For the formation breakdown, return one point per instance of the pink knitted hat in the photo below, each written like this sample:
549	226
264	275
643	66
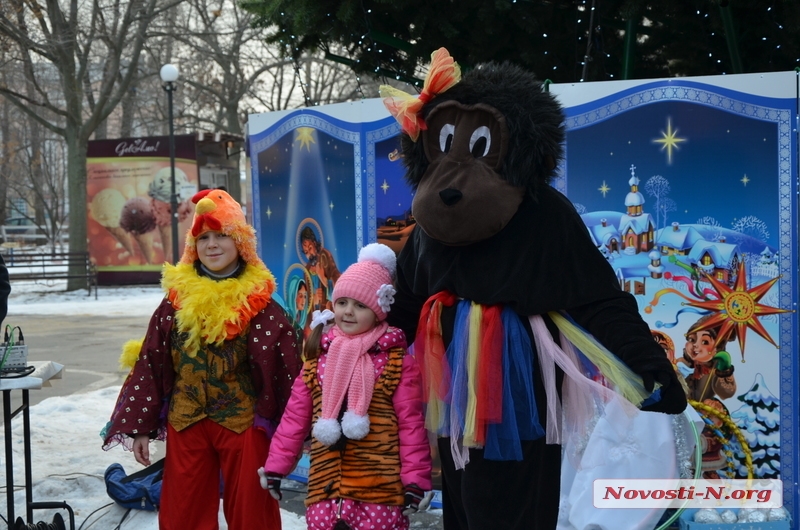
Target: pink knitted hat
370	279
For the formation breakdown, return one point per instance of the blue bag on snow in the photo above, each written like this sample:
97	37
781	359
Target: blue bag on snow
141	490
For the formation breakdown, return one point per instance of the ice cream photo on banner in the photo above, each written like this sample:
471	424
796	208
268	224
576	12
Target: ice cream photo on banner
106	208
160	190
138	220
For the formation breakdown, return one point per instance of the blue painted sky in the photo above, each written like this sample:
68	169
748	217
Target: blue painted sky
707	170
301	179
394	199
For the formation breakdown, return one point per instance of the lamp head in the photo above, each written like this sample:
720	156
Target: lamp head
169	73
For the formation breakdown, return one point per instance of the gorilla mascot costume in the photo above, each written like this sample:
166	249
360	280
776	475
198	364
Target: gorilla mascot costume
498	266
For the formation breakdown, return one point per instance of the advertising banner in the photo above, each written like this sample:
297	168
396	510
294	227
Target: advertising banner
128	194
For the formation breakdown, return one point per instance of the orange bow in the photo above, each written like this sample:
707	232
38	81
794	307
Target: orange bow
443	73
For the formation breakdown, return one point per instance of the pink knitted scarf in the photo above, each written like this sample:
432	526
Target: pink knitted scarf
349	371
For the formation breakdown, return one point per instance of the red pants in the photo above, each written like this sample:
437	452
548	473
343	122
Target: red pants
190	490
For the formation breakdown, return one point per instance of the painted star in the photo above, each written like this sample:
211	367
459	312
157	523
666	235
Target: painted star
737	309
744	180
669	140
604	189
305	135
269	213
331	205
385	186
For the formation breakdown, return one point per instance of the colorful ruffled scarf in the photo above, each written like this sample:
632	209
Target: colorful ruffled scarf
479	391
212	311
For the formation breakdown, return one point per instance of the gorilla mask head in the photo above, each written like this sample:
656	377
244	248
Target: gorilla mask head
488	141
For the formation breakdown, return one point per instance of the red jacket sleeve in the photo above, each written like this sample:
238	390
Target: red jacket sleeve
274	351
141	405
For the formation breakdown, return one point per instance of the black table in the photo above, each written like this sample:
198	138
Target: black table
45	371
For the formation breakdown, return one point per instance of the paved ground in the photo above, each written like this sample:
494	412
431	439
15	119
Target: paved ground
89	349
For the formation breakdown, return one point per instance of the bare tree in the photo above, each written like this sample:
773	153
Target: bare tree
80	48
37	175
752	226
5	148
221	56
666	205
658	187
715	227
749	227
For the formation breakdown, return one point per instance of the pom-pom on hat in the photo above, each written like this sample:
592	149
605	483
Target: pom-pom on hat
370	279
217	210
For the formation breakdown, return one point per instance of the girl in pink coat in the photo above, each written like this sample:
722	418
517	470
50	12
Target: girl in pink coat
360	396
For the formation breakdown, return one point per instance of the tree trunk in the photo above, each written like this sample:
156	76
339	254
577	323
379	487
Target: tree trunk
37	174
128	110
5	156
76	169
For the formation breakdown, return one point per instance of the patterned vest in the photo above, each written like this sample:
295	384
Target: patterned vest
215	384
366	470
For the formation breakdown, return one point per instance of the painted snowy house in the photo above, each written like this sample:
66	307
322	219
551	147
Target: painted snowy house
677	239
636	227
718	260
606	235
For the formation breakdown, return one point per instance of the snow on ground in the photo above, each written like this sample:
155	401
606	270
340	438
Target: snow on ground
50	298
68	464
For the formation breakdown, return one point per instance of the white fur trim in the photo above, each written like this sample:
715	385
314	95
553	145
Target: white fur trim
327	431
354	426
380	254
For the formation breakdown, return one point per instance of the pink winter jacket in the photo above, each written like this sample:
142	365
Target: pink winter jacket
414	450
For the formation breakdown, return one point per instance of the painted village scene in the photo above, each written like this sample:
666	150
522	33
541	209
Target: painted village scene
708	294
684	190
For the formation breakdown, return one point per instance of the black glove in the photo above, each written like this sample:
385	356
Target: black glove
413	498
271	483
673	398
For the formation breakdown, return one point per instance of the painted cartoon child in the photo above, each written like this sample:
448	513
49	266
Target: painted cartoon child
666	343
709	377
663	340
706	365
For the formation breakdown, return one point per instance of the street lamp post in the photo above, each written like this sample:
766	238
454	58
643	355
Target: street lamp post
169	74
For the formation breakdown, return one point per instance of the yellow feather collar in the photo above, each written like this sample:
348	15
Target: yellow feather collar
211	311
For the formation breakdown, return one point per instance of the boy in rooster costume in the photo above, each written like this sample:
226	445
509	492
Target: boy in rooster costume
212	375
499	269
